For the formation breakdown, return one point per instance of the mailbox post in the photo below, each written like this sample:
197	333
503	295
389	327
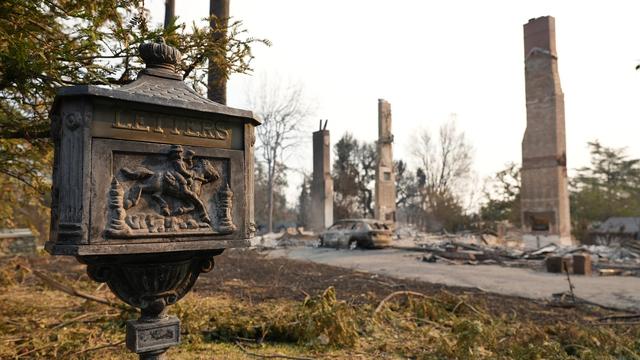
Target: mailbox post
150	182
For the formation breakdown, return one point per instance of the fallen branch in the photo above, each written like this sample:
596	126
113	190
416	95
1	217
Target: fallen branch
462	302
33	350
70	321
75	292
306	294
630	323
270	356
565	267
391	285
398	293
619	317
117	343
581	301
450	262
430	322
21	339
457	306
474	309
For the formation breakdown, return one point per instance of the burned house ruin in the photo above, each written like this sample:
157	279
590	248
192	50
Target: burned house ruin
385	191
544	194
322	182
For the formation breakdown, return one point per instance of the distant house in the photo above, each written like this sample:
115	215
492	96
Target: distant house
616	231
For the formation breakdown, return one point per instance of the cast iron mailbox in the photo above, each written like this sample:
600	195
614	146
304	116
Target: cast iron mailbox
150	182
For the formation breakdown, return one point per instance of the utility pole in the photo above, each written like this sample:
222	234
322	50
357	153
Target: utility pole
169	12
217	80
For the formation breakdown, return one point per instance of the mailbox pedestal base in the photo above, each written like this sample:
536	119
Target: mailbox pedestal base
151	282
151	337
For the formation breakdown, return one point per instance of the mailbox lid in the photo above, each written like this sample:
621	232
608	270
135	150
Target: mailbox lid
158	91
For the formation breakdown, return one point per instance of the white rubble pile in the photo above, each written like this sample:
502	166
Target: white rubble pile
286	238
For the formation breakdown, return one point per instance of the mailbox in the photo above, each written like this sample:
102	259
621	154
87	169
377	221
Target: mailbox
150	182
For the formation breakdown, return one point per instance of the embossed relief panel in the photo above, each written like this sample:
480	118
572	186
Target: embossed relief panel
146	192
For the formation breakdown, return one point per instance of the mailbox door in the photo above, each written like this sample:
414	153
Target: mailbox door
150	193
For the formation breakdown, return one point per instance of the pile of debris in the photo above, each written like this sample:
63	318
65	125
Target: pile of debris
456	250
611	260
287	238
474	249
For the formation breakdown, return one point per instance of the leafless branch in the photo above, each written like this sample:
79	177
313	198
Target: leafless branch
270	356
72	291
283	108
22	180
446	162
399	293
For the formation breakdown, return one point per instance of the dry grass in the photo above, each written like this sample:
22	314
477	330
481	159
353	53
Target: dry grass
38	322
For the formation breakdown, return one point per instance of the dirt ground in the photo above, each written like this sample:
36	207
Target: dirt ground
247	288
254	277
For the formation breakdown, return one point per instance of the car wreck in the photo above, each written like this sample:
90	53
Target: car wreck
360	233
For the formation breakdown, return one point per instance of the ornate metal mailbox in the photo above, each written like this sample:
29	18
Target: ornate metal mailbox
150	182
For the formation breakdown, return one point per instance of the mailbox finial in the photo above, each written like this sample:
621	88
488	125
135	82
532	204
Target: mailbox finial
158	55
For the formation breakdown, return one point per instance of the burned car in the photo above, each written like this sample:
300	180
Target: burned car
362	233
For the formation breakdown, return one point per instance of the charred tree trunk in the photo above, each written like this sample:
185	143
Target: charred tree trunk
270	181
169	12
217	77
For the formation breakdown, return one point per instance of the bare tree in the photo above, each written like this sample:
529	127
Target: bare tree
446	161
283	108
443	176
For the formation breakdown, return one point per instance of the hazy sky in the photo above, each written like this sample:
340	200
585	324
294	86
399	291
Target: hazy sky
433	58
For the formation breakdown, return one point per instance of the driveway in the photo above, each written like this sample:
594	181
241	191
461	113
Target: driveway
616	291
